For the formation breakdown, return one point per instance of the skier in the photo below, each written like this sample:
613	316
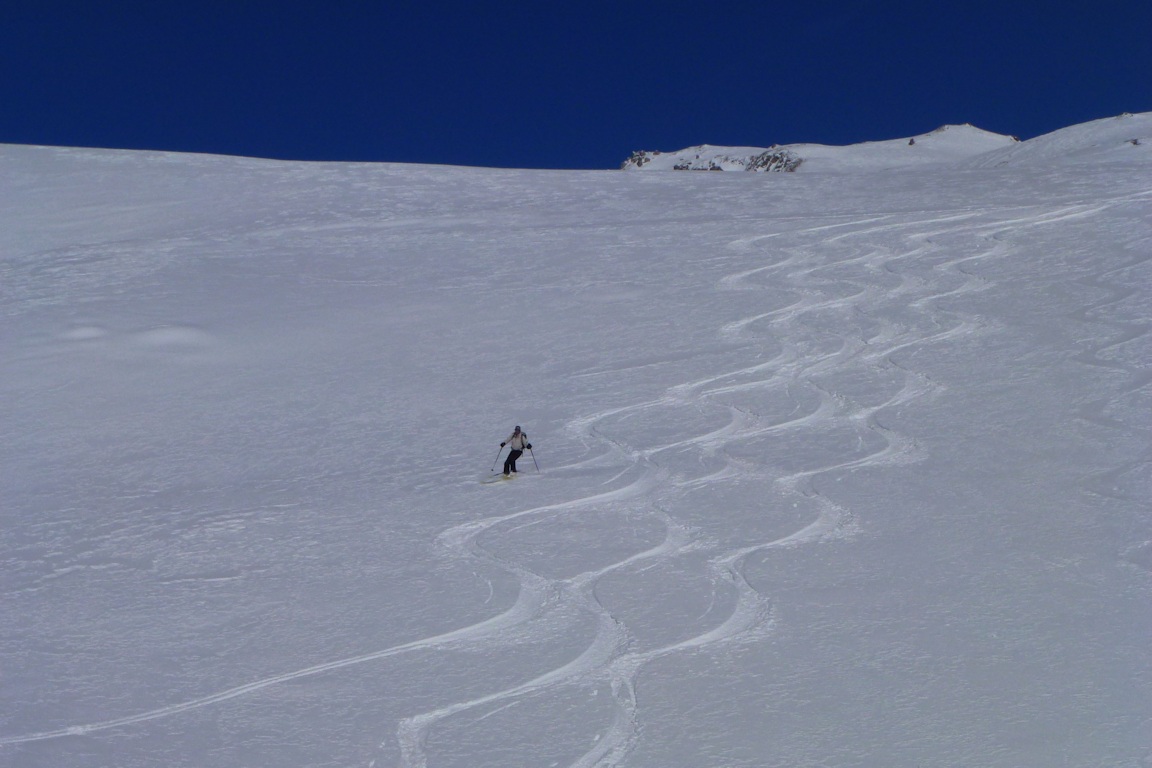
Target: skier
517	443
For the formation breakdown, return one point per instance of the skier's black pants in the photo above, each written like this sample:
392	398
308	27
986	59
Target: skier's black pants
510	462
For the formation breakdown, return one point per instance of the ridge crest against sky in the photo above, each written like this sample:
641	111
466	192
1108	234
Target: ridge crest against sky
550	85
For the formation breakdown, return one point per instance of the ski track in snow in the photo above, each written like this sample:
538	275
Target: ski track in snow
609	657
879	261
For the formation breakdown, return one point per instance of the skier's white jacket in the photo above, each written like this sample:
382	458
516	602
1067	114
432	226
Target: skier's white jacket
517	441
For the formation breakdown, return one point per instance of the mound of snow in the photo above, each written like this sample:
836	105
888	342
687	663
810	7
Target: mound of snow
1125	138
948	144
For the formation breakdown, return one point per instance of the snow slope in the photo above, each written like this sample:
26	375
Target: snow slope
1125	139
947	144
836	469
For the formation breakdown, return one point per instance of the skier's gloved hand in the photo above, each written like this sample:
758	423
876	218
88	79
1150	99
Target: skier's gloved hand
529	446
501	445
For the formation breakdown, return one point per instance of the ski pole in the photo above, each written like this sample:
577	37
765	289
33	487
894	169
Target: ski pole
499	451
534	460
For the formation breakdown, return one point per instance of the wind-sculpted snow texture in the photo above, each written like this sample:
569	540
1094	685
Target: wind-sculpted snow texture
839	470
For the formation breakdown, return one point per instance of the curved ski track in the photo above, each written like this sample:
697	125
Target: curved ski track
866	295
850	274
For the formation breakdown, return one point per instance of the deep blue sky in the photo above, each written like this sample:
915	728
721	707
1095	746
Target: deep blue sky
555	83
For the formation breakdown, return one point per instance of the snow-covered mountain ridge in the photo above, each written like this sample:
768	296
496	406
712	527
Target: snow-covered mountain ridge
949	144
